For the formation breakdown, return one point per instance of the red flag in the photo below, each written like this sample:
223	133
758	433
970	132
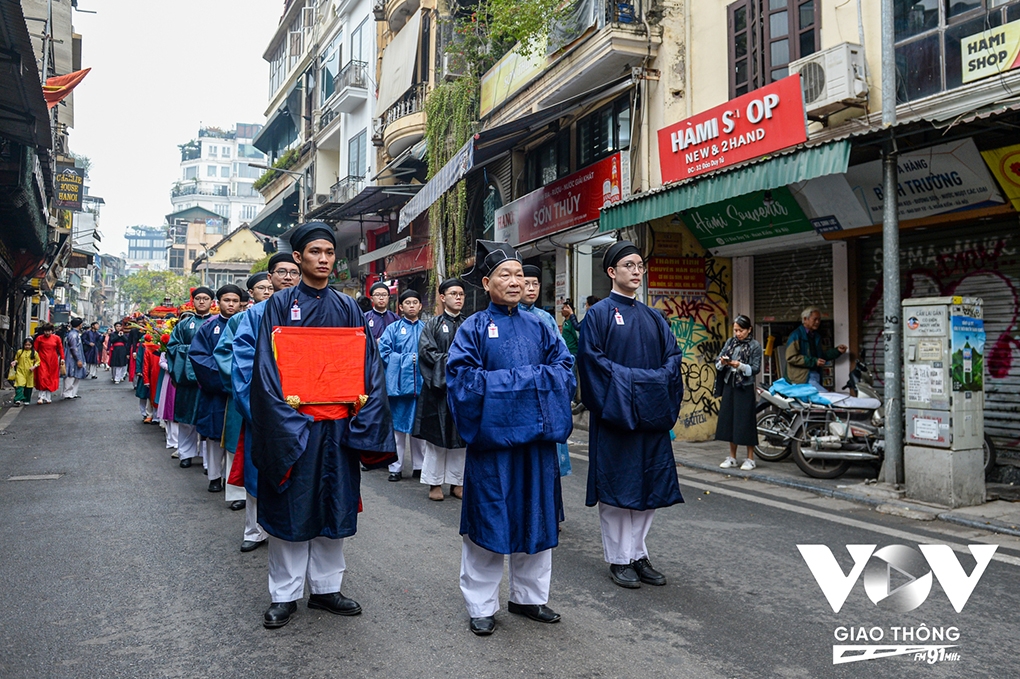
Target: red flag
59	86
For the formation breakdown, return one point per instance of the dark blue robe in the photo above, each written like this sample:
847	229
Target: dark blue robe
510	399
309	474
632	387
91	341
181	373
224	356
376	322
242	366
212	399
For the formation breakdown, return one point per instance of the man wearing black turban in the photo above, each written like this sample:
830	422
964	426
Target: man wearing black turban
183	376
629	365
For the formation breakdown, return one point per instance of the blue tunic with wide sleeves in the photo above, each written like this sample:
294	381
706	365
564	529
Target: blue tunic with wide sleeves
398	348
212	399
243	364
562	451
631	384
181	373
378	322
509	384
309	473
91	340
223	354
73	352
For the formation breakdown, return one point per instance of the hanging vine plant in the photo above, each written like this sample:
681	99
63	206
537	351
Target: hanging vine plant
450	112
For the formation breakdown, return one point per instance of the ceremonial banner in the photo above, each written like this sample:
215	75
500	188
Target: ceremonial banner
322	370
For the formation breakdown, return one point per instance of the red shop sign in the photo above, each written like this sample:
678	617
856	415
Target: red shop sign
675	274
574	200
748	127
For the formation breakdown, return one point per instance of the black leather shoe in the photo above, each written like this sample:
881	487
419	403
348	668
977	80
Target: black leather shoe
185	463
624	575
216	486
538	612
482	626
279	614
396	476
237	505
251	545
647	574
335	603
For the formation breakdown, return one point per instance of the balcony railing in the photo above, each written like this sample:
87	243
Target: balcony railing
354	74
413	101
346	189
192	189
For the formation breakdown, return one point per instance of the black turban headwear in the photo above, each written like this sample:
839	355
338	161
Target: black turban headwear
202	289
255	279
306	233
450	283
230	288
408	294
280	257
488	255
378	285
532	271
618	251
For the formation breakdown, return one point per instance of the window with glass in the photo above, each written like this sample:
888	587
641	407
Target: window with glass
359	43
210	170
929	57
547	162
224	171
603	132
765	36
225	152
176	258
357	155
329	66
191	172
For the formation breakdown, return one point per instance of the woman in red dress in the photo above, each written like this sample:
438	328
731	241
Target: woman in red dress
50	350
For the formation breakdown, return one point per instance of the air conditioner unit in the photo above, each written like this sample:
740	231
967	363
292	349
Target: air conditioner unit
832	80
453	67
377	131
321	198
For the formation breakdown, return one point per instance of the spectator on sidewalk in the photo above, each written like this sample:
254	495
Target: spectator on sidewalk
24	364
739	361
805	356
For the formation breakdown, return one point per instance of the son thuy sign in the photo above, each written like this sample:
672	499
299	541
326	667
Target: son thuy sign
753	125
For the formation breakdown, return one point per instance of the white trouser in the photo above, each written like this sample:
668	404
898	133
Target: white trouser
252	530
417	451
204	452
232	492
145	407
481	572
443	465
187	441
320	560
624	532
71	386
44	396
93	369
171	433
120	373
215	457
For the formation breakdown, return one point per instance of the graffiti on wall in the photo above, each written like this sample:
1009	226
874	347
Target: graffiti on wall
699	320
975	266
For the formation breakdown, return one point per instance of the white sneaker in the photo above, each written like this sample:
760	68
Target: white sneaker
748	465
729	463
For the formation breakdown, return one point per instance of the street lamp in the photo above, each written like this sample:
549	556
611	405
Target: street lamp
301	186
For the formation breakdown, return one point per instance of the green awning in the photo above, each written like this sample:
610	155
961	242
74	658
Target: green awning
787	169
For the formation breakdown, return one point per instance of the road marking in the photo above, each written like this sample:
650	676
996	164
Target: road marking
34	477
8	417
891	532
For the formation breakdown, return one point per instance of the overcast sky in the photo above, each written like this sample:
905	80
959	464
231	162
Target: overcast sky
159	71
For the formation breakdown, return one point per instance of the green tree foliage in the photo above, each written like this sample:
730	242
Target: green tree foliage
148	288
262	264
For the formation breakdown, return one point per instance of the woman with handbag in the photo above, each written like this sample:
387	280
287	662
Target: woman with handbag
738	363
22	373
50	349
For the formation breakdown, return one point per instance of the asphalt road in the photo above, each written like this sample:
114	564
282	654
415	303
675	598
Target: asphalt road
125	566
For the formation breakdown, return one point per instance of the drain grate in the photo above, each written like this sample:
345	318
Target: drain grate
34	477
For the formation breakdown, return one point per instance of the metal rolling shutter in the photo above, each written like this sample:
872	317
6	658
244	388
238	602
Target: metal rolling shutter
786	283
977	260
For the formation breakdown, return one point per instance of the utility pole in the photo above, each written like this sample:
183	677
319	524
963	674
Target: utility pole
892	470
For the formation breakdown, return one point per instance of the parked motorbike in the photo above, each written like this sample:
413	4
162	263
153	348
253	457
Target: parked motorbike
826	439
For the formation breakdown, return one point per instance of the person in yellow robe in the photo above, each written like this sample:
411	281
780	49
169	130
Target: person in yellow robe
24	364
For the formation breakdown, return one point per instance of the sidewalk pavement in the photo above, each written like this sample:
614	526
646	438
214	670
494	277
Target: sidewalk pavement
857	485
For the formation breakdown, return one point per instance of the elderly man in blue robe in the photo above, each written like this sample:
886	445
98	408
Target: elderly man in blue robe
283	273
212	398
309	473
629	364
398	348
182	374
509	384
